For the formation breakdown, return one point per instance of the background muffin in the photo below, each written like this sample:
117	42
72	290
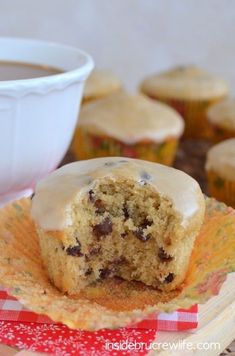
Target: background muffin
220	168
128	125
117	217
190	91
221	116
99	84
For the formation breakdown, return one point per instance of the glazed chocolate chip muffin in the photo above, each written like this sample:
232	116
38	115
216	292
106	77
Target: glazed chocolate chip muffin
189	90
128	125
100	84
121	217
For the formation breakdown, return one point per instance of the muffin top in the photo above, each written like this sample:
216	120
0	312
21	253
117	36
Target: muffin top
55	194
221	159
100	83
222	114
186	82
131	118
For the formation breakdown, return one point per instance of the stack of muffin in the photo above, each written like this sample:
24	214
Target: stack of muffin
184	105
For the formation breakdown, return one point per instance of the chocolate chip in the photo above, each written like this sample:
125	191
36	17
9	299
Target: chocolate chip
104	228
87	259
139	233
91	196
109	164
119	261
88	272
125	213
124	234
74	251
164	256
145	176
94	250
98	203
169	278
145	223
104	273
168	241
100	206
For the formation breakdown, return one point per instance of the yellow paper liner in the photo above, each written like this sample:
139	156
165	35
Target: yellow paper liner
221	188
220	134
86	146
194	114
112	303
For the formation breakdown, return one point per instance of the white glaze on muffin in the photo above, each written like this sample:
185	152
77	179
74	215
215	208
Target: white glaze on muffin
131	118
186	83
221	159
222	114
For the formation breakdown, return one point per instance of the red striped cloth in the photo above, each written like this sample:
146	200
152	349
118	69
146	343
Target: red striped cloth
26	330
12	310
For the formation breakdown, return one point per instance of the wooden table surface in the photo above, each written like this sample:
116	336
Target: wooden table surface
216	323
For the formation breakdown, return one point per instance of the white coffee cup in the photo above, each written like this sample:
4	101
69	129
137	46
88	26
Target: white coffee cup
37	116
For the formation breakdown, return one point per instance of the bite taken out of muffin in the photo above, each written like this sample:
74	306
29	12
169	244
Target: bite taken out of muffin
117	217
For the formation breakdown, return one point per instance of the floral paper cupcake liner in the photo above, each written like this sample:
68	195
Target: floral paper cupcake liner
221	188
194	114
22	272
86	146
220	134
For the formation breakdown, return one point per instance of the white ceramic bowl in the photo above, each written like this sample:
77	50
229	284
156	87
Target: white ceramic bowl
37	116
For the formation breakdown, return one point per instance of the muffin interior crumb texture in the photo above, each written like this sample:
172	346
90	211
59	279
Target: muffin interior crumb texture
119	228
